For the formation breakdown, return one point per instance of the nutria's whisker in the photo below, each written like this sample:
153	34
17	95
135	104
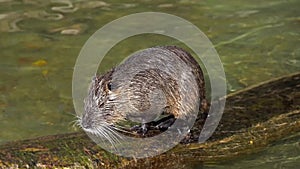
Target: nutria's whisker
102	133
119	128
114	135
76	123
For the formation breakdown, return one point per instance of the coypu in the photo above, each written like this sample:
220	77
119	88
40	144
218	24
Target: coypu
153	87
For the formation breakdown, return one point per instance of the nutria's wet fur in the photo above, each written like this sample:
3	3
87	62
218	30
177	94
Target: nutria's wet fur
124	92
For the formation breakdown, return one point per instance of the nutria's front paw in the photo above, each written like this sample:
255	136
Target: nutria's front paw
140	129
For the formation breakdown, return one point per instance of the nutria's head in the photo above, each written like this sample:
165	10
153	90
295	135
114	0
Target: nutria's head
100	114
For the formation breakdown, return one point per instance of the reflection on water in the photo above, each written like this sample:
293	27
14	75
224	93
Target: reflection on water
40	40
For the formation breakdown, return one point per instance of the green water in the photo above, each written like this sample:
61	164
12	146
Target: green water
40	41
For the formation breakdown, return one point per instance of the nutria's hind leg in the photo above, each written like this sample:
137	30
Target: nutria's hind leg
164	123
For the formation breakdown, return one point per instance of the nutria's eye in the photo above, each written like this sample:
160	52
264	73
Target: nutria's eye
109	86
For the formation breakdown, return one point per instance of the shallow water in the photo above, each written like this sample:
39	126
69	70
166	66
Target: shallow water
40	41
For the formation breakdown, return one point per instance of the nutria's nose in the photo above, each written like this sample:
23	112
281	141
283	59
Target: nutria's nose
85	125
86	122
